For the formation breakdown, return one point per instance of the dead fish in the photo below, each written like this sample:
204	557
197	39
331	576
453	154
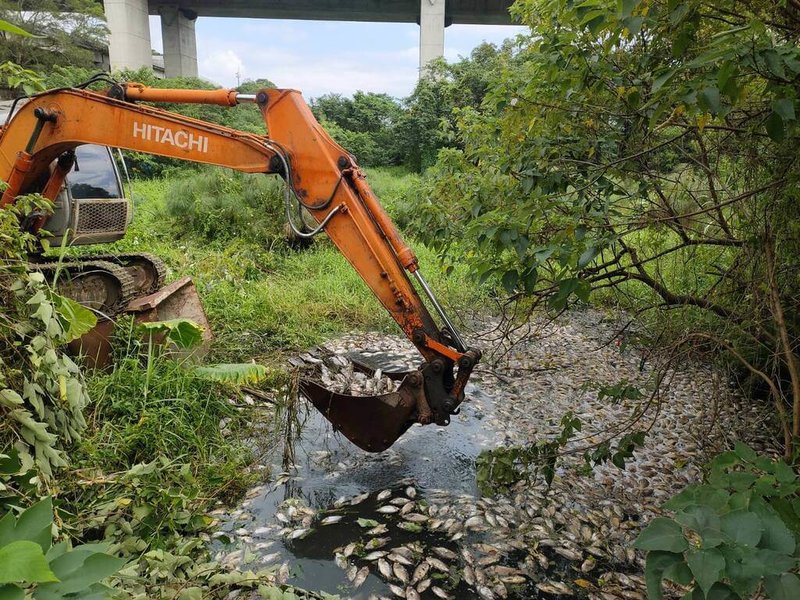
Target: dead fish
359	499
400	572
500	590
399	501
340	561
387	510
385	568
415	517
445	553
420	572
349	549
375	543
411	492
262	530
268	558
352	572
469	575
384	495
407	508
379	530
488	560
441	593
331	520
399	558
423	585
473	522
361	577
405	551
411	594
283	573
588	564
438	564
282	517
485	593
554	587
397	590
569	554
513	579
375	555
299	533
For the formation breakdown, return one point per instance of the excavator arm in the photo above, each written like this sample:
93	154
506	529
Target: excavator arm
321	177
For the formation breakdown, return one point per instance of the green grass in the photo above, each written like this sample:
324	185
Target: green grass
265	299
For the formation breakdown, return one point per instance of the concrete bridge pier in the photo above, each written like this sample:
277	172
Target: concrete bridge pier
180	42
431	31
129	37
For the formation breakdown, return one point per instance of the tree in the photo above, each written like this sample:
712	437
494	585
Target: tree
364	124
643	151
429	121
65	32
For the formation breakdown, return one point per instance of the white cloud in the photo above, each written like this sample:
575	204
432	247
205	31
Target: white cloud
221	66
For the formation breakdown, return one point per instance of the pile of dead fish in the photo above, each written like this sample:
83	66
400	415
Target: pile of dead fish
338	374
573	538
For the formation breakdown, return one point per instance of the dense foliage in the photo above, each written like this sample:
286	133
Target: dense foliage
731	535
65	32
645	149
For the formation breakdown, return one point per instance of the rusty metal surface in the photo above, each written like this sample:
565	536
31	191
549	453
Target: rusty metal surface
94	346
178	300
373	423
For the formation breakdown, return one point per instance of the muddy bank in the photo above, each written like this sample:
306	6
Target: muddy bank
410	522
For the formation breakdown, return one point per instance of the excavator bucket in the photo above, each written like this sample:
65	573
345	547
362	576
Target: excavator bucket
373	423
178	300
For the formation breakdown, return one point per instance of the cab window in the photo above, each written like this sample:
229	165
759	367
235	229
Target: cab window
94	174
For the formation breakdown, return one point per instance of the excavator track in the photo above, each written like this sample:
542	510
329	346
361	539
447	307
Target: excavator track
102	286
147	271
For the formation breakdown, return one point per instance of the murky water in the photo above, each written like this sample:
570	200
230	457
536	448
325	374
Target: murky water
320	467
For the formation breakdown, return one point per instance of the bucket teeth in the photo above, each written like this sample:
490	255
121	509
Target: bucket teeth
373	423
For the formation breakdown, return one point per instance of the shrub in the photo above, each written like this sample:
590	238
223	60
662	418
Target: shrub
731	534
223	205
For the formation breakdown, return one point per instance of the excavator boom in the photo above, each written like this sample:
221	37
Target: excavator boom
321	177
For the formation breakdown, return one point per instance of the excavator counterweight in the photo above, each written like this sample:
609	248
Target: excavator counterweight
322	180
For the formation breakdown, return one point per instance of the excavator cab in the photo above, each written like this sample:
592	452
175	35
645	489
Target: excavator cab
55	135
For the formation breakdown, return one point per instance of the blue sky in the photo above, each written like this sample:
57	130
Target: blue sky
319	57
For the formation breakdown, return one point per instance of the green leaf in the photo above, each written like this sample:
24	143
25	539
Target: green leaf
776	536
657	563
626	7
509	281
742	527
709	100
234	373
783	587
11	592
367	523
23	561
662	534
6	26
721	591
704	521
588	256
774	125
95	568
785	108
662	79
706	565
76	320
33	525
184	333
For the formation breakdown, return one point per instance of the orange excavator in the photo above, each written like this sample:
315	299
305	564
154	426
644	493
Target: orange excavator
37	152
